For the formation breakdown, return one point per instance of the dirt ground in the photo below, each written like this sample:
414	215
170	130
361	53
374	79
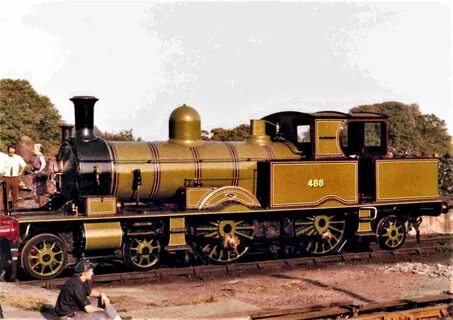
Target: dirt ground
239	297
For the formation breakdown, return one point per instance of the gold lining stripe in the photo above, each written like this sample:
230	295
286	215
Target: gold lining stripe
112	168
337	138
381	199
233	189
323	199
235	158
204	213
196	205
156	176
160	214
197	163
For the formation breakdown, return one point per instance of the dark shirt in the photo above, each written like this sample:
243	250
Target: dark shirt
73	296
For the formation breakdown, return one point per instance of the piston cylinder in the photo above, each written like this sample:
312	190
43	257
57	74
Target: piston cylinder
100	236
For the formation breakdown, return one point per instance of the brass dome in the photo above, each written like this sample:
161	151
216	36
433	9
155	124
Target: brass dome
185	126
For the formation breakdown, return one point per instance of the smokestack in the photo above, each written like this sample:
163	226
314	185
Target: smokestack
84	114
66	132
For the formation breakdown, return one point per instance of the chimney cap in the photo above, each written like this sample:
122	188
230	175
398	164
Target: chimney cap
83	98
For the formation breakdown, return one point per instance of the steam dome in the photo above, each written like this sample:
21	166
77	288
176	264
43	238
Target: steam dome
185	126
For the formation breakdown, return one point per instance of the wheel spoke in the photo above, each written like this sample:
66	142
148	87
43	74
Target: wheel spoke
245	228
303	223
336	229
206	228
301	232
336	222
213	251
244	235
214	234
36	248
329	241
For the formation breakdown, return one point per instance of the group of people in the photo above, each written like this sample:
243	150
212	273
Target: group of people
13	166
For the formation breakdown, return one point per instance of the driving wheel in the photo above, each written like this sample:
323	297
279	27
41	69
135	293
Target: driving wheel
320	234
223	241
44	256
141	253
391	233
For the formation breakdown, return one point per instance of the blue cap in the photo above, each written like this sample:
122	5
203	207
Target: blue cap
84	265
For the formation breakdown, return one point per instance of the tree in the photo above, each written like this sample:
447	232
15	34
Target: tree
238	133
122	135
24	112
410	130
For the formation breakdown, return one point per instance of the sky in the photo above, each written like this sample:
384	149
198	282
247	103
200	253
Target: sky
231	61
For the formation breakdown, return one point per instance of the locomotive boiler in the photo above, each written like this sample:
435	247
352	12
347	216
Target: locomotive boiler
156	171
300	184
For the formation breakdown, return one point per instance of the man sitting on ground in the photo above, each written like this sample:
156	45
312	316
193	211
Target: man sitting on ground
75	292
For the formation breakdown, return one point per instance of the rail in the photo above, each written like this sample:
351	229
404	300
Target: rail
429	307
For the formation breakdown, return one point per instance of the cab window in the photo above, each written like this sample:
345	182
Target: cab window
364	138
303	133
373	134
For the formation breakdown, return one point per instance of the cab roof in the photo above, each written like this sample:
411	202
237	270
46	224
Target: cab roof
326	115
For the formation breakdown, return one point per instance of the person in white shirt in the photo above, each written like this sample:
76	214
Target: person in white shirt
3	159
13	169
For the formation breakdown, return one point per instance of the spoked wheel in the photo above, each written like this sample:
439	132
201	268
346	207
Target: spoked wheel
391	233
223	241
320	234
44	256
141	253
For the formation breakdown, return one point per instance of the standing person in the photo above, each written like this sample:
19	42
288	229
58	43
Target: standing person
74	295
3	159
14	168
39	187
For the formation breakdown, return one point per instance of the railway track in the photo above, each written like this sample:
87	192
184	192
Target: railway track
430	307
411	251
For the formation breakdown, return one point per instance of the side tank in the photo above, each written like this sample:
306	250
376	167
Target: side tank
91	165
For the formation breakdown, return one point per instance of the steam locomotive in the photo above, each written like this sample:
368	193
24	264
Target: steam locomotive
301	183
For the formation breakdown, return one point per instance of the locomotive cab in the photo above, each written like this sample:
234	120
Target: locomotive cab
364	138
331	134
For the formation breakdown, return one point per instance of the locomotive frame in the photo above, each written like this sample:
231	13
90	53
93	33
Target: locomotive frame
300	183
